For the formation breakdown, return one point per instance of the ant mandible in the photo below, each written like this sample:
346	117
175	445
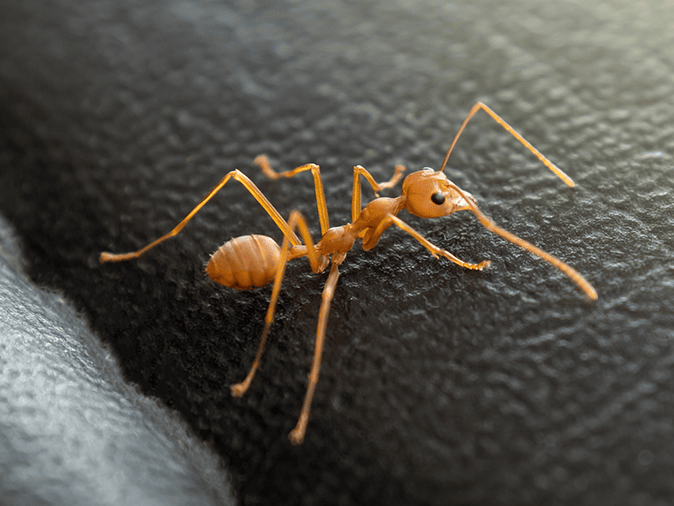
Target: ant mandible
253	261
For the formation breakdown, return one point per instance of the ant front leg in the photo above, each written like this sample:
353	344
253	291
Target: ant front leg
435	250
359	171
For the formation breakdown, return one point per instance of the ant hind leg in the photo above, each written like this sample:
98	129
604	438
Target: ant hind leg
237	175
295	221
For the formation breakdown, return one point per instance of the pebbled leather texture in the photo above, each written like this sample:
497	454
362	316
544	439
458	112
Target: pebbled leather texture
438	385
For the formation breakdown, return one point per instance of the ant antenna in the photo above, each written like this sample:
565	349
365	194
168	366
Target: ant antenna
560	173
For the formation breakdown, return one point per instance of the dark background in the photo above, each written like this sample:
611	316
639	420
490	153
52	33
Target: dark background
439	385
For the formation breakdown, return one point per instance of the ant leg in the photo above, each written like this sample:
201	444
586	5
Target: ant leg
296	436
561	174
435	251
295	221
239	389
263	162
358	171
575	276
236	175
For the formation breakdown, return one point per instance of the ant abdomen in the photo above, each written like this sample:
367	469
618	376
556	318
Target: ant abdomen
245	262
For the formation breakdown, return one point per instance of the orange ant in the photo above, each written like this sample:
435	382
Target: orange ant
253	261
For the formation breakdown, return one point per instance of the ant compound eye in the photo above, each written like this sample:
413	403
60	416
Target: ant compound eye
438	198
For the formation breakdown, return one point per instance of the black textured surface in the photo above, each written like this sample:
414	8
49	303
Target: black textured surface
438	385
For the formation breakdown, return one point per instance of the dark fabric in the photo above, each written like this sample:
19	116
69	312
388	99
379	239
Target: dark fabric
438	385
71	430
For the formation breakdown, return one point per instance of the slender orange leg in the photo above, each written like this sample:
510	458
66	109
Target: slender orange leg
561	174
295	221
236	175
296	436
359	171
263	162
435	251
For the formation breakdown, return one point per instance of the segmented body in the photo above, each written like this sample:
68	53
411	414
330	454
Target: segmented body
253	261
245	262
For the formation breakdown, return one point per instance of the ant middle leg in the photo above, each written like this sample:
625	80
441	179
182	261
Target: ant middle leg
263	162
296	436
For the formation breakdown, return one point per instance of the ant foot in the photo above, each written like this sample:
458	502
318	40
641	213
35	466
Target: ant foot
296	436
239	389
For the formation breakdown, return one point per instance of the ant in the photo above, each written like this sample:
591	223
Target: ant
253	261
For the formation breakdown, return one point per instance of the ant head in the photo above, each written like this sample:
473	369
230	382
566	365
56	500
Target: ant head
429	194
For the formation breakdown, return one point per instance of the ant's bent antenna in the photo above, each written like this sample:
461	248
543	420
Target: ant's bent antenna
560	173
